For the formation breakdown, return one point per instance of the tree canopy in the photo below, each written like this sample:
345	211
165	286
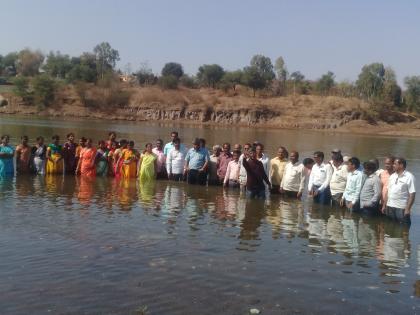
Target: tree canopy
173	68
210	75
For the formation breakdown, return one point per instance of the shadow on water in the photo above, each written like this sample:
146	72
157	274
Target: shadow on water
164	232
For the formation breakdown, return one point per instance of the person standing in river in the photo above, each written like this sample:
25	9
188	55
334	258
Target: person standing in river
232	171
223	161
129	158
196	163
39	154
338	179
401	193
370	194
319	180
161	160
168	147
256	176
242	170
293	179
277	166
212	168
7	153
102	159
55	163
147	165
175	161
87	161
70	154
384	177
351	195
112	139
23	156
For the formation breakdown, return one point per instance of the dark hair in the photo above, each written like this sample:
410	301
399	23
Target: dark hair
286	153
177	140
319	154
307	161
401	160
101	142
355	161
226	143
112	133
146	144
174	133
55	137
237	152
370	166
248	144
391	158
131	143
24	137
202	141
196	141
337	157
123	142
39	138
4	137
83	139
253	148
70	134
258	144
159	140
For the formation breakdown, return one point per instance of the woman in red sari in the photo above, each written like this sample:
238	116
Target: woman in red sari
87	160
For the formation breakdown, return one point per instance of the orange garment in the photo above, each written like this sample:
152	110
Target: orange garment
87	162
129	163
384	181
22	164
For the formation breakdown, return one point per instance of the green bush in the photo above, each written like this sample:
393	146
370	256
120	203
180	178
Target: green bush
44	89
168	82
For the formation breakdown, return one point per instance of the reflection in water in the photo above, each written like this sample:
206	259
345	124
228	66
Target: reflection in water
209	217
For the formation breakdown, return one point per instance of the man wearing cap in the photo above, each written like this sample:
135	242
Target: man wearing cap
401	193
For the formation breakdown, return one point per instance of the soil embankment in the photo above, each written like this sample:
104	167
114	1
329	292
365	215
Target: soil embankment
206	106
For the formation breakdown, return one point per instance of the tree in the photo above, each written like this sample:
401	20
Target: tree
264	67
391	90
145	75
83	68
253	78
29	62
106	58
231	79
281	69
297	79
371	80
21	88
168	82
188	81
172	68
210	75
44	89
412	93
325	83
346	89
58	65
9	64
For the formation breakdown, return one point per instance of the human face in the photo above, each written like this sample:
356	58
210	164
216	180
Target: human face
71	138
82	143
252	155
235	157
159	145
259	150
216	152
149	148
388	165
398	167
196	146
317	159
112	136
351	167
246	149
281	154
25	140
173	136
237	147
88	143
40	141
177	145
226	148
57	141
293	157
309	166
5	140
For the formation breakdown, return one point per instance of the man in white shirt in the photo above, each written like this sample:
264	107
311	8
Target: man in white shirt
401	193
354	184
232	172
293	180
338	179
242	170
319	180
175	161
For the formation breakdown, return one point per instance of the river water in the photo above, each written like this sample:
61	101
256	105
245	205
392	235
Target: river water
74	246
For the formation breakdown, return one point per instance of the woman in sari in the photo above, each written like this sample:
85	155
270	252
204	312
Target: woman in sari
129	158
110	159
39	153
112	136
6	157
117	157
23	156
102	159
69	154
86	165
55	163
148	165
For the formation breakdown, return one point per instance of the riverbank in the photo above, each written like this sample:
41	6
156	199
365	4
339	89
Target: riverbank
215	107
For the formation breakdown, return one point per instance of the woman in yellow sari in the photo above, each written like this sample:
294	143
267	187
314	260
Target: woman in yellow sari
148	164
128	161
55	162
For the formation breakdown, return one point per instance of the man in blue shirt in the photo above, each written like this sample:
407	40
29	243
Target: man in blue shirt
196	163
354	184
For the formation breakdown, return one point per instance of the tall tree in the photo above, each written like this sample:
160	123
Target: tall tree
297	79
370	82
412	93
210	75
57	65
281	69
253	78
106	58
391	90
232	78
325	83
28	62
264	67
173	68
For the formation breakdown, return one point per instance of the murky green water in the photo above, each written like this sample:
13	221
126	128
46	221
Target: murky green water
72	246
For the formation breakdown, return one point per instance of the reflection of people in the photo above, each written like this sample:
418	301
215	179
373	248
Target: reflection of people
6	157
401	193
85	189
55	164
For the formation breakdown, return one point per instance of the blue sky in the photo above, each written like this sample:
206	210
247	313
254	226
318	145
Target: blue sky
312	36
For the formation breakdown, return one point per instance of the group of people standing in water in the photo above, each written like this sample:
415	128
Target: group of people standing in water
343	181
